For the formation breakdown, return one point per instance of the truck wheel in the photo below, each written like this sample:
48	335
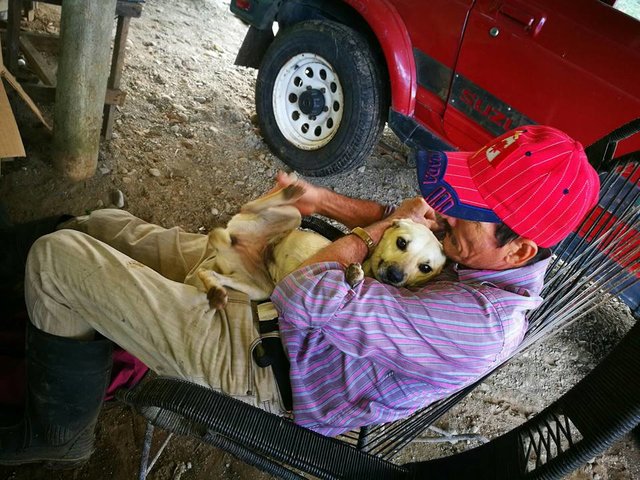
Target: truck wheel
320	98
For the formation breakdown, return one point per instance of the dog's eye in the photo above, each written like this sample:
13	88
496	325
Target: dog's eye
424	267
401	243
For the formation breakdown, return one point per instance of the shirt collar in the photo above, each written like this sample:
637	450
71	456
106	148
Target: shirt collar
529	278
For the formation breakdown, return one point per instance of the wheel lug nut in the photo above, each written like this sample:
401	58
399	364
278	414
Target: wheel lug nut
325	109
308	87
323	90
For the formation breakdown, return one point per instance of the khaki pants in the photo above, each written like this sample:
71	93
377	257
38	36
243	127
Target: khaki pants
113	273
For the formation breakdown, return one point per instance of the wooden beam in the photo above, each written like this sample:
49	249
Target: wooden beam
43	42
115	97
124	8
47	94
37	62
117	64
41	94
28	7
14	15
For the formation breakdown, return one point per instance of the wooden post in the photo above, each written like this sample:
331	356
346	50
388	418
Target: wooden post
85	40
14	14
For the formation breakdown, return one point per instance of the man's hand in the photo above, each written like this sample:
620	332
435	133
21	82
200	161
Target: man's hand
417	210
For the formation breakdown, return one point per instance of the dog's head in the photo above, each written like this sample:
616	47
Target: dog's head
408	255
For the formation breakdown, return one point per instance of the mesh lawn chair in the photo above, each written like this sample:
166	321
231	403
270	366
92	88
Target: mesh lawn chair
601	259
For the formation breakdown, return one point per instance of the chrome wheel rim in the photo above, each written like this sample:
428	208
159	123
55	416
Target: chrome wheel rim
308	101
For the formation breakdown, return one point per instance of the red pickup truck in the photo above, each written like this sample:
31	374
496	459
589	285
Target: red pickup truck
444	74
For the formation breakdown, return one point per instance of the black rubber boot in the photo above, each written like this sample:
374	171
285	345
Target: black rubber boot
66	383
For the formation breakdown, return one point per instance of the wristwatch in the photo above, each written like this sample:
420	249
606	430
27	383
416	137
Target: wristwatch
365	237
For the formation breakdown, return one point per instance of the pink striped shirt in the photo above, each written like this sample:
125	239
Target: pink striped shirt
377	353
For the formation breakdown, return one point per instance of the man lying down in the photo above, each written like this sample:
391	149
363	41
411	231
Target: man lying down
360	355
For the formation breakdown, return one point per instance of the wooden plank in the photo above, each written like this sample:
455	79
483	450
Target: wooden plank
47	94
117	64
43	42
119	47
123	7
10	140
29	9
41	94
115	97
11	80
37	62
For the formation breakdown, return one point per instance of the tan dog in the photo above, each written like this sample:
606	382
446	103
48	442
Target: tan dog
259	247
262	244
408	255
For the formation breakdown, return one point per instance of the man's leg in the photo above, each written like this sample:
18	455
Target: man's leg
77	285
172	252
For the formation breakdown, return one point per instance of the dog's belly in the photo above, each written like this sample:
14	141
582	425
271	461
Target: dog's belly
292	250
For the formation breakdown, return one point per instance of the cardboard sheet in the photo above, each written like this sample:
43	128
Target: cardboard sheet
10	141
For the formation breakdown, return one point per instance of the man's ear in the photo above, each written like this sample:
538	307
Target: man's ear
522	250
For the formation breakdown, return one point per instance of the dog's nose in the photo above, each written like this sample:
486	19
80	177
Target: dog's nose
394	274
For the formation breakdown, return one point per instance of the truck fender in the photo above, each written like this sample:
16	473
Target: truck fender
394	41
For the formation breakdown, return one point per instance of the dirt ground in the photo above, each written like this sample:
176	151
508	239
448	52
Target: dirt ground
186	151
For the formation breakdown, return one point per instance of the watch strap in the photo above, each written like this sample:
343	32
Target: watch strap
365	237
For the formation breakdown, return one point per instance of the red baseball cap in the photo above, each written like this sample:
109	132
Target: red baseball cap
535	179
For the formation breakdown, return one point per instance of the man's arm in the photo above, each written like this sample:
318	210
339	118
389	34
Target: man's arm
447	332
351	212
352	249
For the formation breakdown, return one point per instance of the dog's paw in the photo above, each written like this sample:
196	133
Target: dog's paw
217	297
216	293
354	274
292	192
285	196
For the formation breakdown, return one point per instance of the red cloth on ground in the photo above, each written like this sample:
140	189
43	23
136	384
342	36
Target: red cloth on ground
126	372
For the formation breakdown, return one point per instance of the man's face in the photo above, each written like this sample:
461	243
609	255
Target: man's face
473	244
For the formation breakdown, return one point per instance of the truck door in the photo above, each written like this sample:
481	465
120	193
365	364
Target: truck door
435	28
572	64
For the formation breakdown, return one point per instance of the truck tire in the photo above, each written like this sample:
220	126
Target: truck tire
321	98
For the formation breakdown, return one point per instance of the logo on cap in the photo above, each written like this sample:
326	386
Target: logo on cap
509	144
